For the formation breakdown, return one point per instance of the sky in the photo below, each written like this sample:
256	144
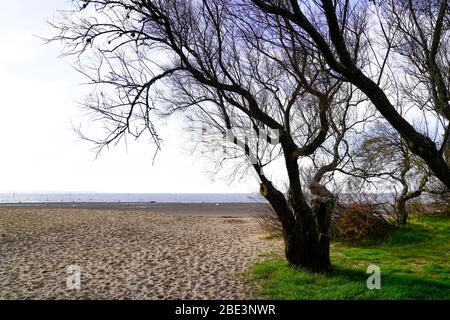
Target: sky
40	150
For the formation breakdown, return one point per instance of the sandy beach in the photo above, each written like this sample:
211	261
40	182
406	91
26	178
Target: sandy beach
127	254
170	208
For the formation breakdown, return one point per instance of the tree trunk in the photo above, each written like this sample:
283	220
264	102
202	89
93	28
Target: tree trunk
402	213
305	234
303	249
307	243
305	225
447	151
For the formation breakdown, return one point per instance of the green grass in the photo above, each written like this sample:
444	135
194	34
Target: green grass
414	263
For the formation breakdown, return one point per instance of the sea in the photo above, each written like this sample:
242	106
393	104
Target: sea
14	197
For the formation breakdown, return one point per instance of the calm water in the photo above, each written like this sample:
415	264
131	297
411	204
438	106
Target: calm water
129	197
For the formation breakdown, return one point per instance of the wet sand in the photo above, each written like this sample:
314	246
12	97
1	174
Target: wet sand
128	254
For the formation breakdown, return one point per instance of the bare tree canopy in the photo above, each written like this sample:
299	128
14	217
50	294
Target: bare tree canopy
384	155
295	80
343	34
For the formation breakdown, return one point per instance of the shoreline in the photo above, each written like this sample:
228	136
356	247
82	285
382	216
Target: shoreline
232	209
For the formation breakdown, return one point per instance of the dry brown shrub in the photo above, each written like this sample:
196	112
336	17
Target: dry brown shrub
269	222
361	216
441	206
351	221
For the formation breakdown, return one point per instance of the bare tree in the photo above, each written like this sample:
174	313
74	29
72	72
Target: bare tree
341	32
235	72
419	37
384	155
440	197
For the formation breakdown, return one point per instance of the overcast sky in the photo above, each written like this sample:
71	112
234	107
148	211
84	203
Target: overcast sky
40	150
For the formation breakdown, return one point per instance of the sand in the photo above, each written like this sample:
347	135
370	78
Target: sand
171	208
126	254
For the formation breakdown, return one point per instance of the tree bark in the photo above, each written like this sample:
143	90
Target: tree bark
306	249
400	208
305	233
305	225
447	151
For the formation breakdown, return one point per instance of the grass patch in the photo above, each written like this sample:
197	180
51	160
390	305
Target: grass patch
414	262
